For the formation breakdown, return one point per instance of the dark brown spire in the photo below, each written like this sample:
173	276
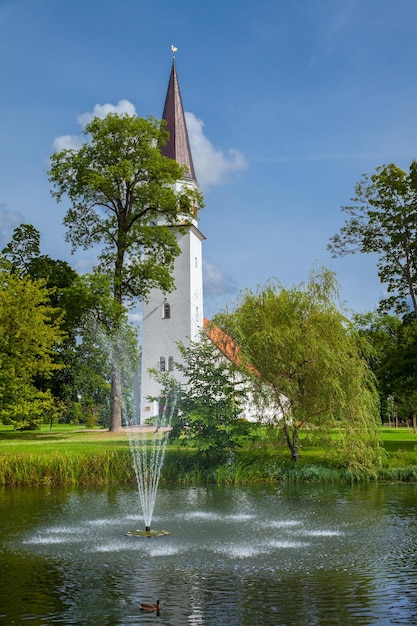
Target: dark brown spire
178	146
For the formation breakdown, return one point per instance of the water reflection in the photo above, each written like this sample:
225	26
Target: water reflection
300	555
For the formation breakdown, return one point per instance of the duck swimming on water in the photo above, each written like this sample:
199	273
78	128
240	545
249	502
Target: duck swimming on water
150	607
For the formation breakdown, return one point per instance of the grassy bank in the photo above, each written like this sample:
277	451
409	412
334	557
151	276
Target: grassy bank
67	455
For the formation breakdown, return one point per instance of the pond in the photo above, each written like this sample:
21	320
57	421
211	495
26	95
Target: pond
293	555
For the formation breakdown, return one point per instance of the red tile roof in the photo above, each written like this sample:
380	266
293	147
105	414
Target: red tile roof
225	344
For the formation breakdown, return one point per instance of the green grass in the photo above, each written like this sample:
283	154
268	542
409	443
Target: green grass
70	455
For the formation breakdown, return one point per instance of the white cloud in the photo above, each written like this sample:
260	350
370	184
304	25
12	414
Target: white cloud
74	142
212	166
216	283
68	142
101	110
8	222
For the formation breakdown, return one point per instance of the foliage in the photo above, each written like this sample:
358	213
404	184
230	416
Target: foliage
23	257
104	335
209	403
394	361
123	198
30	335
89	316
69	294
383	220
23	248
311	364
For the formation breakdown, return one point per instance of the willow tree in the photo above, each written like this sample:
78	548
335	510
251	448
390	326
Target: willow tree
382	219
311	364
123	200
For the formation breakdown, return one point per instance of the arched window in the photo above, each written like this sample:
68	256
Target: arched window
162	364
170	364
166	311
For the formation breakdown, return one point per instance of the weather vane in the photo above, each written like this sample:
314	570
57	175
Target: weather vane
174	49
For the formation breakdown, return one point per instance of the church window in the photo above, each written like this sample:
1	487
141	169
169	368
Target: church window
166	312
170	363
162	364
196	261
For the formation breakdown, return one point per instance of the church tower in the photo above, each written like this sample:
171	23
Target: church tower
177	316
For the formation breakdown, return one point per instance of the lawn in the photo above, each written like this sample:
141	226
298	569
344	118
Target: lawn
60	437
75	455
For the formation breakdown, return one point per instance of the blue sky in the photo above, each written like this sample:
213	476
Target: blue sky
289	103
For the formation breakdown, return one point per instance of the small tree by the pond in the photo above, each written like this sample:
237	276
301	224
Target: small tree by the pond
311	362
209	405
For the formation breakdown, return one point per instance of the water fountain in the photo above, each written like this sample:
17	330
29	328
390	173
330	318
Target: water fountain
147	446
147	442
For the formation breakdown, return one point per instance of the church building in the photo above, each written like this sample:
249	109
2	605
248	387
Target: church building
169	318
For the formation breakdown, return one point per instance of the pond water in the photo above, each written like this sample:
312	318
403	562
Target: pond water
292	555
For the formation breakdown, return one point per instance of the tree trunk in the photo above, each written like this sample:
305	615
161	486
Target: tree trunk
292	441
116	376
115	400
415	423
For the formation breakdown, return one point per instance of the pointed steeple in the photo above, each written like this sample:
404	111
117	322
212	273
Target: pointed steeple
178	146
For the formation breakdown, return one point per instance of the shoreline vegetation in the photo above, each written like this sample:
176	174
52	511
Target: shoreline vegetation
75	456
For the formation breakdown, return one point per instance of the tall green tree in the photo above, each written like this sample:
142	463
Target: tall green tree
394	361
310	362
30	334
123	197
383	220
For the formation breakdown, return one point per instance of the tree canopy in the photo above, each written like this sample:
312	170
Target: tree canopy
123	199
89	317
30	335
383	220
394	362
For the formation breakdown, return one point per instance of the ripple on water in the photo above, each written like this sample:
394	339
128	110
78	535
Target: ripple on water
285	523
239	551
163	550
203	515
46	540
114	546
322	533
288	544
239	517
64	530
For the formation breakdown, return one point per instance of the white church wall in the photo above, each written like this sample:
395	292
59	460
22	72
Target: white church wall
161	334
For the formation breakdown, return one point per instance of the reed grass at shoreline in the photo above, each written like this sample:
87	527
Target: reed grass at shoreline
70	457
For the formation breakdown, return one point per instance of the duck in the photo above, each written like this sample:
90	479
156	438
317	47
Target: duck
150	608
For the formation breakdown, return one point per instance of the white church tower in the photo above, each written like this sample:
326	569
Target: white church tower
169	318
